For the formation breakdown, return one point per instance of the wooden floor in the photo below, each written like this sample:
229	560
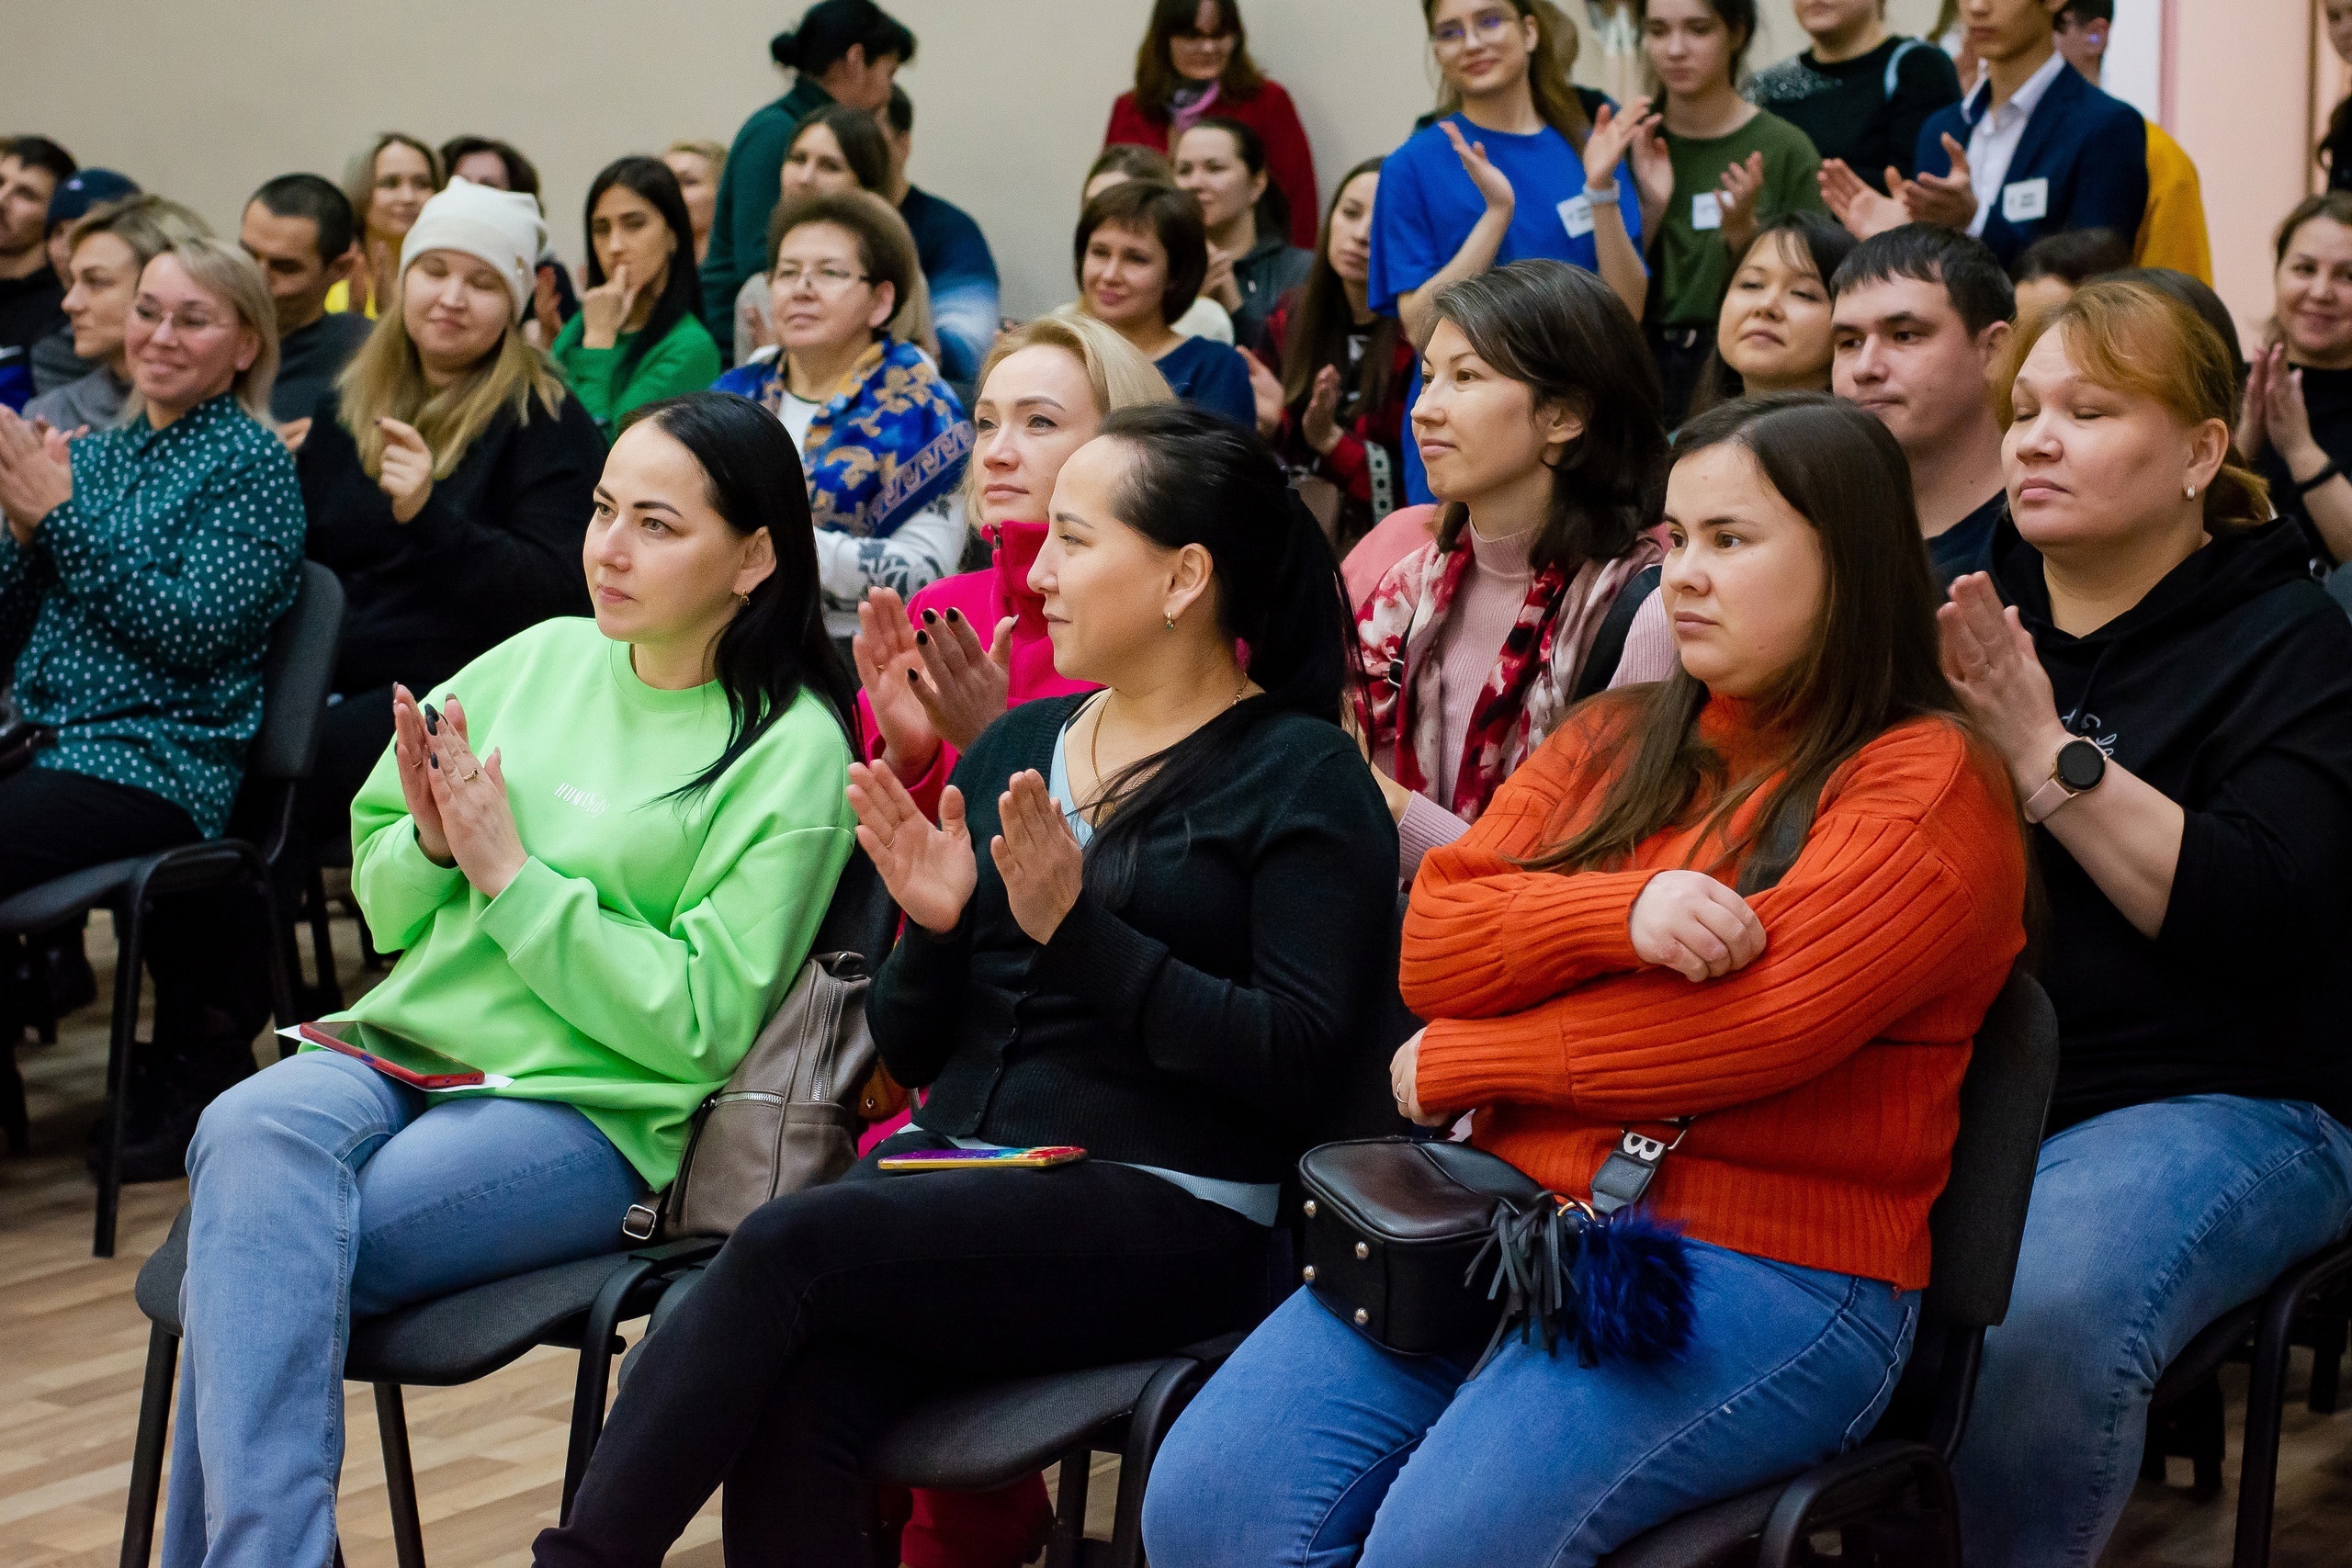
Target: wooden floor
489	1457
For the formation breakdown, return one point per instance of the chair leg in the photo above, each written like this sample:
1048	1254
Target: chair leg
399	1477
1066	1544
1163	1399
16	1120
131	946
597	1341
147	1453
2327	1336
2265	1402
281	976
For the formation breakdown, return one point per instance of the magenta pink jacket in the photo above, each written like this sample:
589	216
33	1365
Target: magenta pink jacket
984	598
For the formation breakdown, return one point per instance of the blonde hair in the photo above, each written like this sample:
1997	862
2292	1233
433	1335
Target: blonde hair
2139	341
1116	371
234	279
386	380
148	224
711	152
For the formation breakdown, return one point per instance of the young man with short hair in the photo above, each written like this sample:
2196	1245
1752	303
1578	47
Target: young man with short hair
2172	233
31	294
2033	149
1919	316
300	228
954	255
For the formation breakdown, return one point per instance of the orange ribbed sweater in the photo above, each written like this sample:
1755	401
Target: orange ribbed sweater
1825	1077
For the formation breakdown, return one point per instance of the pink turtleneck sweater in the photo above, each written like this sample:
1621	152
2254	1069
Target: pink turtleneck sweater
984	598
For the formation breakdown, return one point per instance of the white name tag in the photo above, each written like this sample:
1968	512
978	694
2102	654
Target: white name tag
1707	210
1576	216
2025	200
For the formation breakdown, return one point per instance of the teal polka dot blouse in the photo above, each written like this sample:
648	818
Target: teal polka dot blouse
137	617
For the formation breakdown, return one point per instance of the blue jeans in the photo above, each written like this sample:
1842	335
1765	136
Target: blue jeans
321	1191
2147	1224
1316	1447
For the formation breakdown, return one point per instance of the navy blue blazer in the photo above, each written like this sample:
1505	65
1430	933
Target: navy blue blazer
2092	150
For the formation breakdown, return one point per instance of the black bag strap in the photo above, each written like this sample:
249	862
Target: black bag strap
1609	643
1632	1165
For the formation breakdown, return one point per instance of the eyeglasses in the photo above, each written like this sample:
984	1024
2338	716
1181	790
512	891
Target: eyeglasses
187	323
824	280
1489	27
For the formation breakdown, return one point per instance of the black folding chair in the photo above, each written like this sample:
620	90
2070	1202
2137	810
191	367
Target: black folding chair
462	1337
2306	1305
295	673
1891	1498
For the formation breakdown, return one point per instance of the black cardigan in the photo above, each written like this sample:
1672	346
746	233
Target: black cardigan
496	549
1208	1023
2229	688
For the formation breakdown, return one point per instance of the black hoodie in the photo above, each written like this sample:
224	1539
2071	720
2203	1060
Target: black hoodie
2229	688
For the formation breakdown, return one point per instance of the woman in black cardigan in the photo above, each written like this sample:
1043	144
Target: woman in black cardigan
1182	995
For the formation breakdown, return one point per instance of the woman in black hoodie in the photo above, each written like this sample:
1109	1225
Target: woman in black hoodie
2173	695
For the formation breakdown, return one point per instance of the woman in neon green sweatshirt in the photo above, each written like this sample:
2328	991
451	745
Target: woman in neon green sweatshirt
602	858
637	337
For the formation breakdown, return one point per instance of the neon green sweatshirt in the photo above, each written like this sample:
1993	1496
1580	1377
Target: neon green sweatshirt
685	360
626	969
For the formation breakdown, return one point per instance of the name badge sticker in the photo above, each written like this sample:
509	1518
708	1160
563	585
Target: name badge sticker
2025	200
1707	210
1576	216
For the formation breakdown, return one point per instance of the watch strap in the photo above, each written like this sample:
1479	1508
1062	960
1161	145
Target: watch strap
2304	487
2052	794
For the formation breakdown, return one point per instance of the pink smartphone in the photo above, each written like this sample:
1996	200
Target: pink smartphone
404	1061
1038	1159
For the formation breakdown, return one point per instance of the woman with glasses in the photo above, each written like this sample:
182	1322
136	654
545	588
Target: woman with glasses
1195	64
1520	171
140	571
881	438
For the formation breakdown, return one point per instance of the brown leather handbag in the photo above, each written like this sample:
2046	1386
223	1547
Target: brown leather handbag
789	1115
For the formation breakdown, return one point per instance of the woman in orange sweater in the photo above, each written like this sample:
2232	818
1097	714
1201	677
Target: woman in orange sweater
1588	968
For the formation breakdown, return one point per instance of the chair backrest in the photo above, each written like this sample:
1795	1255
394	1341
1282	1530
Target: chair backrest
295	674
861	918
1979	1223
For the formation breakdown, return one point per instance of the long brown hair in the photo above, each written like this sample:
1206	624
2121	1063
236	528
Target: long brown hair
1560	332
1554	95
1156	76
1317	332
1873	664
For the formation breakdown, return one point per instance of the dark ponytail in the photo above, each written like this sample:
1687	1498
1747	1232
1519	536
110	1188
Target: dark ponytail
775	646
830	27
1194	477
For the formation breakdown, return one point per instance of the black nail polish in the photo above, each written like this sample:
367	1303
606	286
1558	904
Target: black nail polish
922	640
913	679
433	761
930	619
432	719
954	615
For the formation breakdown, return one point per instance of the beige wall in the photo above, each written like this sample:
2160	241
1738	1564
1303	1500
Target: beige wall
205	101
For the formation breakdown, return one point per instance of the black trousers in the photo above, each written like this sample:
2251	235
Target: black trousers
211	980
832	1312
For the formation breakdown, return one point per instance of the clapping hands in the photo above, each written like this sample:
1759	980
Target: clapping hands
36	473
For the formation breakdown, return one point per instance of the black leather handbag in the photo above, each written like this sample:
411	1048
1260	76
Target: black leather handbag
1426	1247
1394	1231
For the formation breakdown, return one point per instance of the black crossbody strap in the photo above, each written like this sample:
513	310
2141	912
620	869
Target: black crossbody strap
1634	1164
1609	643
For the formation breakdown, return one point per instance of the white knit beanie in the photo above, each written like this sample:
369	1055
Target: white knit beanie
502	227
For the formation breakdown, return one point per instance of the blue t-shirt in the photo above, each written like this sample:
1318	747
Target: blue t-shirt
1427	206
1210	375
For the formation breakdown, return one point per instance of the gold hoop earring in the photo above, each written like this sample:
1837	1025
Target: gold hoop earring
1172	621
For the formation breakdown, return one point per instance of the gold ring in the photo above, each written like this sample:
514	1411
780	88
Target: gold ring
469	777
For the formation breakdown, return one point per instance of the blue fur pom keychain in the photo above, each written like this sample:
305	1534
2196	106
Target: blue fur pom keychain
1618	1286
